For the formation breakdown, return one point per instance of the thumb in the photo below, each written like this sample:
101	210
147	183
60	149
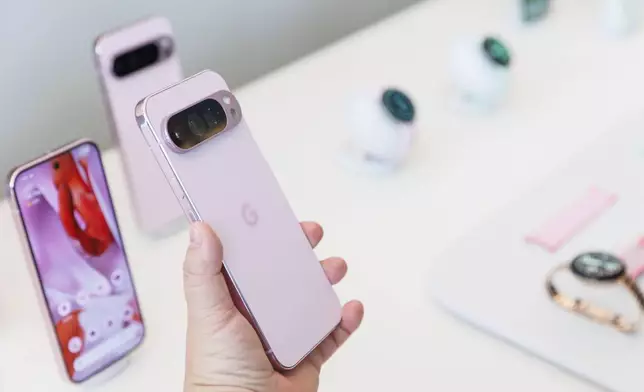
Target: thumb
206	292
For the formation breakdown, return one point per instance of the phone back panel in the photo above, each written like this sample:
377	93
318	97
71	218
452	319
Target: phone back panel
228	184
153	202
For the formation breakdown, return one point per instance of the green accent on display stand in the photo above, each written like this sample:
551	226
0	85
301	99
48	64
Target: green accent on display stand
533	10
497	52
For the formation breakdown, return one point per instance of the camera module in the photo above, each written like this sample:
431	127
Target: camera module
197	124
142	57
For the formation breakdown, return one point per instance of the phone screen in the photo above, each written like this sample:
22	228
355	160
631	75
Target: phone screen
71	227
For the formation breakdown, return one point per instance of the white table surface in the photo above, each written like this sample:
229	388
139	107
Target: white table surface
572	84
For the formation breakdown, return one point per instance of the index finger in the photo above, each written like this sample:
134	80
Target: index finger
313	231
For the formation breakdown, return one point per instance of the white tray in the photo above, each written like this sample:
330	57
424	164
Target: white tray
494	280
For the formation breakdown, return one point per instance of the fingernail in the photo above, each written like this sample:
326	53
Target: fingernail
195	236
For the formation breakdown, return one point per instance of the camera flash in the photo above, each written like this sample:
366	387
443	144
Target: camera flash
165	42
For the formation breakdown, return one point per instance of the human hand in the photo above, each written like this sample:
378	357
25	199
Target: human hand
223	351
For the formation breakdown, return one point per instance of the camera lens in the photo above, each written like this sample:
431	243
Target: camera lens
166	46
179	133
197	124
214	116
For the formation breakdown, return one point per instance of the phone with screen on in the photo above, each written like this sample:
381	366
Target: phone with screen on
65	213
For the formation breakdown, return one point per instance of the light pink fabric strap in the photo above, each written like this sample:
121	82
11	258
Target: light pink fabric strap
634	258
567	223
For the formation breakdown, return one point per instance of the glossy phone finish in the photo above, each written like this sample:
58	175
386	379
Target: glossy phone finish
153	202
63	210
227	183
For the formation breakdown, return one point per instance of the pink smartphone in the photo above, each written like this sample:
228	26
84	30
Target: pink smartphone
64	211
197	133
133	62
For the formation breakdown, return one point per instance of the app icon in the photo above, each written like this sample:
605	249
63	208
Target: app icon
102	289
92	335
75	345
128	313
64	308
117	277
82	298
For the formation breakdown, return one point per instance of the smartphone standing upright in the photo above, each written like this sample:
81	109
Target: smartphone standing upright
64	210
133	62
197	132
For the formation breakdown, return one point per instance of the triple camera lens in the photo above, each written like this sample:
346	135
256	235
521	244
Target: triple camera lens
197	124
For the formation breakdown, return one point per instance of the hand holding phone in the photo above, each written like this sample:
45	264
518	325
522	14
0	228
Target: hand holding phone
223	347
196	131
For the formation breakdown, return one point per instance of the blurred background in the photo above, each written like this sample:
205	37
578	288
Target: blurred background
50	92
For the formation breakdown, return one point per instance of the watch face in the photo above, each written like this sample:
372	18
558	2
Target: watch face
532	10
399	105
496	52
598	266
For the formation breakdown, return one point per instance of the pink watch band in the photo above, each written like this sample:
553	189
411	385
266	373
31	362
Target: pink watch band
634	258
561	228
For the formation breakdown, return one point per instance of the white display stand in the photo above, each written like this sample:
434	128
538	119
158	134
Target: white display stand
494	280
620	17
